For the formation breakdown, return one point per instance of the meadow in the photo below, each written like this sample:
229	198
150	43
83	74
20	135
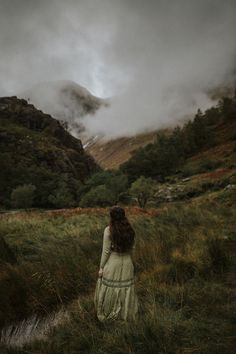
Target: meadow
184	264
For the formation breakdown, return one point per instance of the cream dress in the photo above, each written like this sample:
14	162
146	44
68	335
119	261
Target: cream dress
115	296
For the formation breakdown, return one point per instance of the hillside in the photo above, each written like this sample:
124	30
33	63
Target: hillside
35	148
65	100
180	164
174	151
113	153
184	257
184	262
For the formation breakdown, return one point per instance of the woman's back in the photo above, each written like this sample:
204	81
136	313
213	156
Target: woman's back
121	232
115	296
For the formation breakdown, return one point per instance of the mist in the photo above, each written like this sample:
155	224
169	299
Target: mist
157	60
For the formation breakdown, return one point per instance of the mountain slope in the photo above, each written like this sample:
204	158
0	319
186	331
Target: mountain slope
64	100
113	153
35	148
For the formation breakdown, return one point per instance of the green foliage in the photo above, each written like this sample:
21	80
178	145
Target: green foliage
155	160
23	196
62	197
45	181
208	165
98	196
142	190
169	152
104	188
57	261
185	281
227	108
200	166
35	149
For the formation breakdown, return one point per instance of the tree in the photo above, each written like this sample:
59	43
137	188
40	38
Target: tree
23	196
98	196
114	181
142	190
227	107
156	160
62	197
176	140
118	184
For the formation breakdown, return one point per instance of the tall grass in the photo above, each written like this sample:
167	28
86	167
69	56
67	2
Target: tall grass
57	259
184	265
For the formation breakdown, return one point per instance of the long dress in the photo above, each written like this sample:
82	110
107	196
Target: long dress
115	296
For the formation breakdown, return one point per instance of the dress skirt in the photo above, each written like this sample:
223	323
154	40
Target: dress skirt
115	296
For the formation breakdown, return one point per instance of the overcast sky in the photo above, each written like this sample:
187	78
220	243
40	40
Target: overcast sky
157	57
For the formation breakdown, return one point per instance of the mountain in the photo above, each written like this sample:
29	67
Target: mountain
36	149
65	100
203	144
112	153
70	103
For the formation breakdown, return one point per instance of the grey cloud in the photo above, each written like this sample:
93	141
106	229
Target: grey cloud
156	58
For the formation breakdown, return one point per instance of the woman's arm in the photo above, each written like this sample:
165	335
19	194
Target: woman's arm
106	249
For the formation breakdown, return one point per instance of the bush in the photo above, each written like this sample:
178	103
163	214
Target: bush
61	197
114	183
142	190
208	165
23	196
98	196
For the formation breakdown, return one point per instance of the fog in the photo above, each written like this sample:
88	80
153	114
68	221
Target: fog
156	59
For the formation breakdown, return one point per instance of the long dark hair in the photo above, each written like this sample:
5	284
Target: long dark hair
122	233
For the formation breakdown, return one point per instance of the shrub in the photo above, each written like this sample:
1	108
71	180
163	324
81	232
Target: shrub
61	197
23	196
208	165
142	190
98	196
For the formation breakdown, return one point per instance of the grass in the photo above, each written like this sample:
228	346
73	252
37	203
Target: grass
184	264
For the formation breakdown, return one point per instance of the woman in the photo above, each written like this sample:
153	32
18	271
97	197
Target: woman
115	296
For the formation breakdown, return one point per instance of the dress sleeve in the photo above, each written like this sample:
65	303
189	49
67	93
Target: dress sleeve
106	249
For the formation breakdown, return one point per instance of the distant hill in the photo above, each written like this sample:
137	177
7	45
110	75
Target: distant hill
36	149
209	134
112	153
70	103
115	152
65	100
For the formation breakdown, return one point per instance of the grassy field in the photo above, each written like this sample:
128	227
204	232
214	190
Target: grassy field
184	264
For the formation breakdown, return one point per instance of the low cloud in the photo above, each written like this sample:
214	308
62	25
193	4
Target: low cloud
157	59
174	54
